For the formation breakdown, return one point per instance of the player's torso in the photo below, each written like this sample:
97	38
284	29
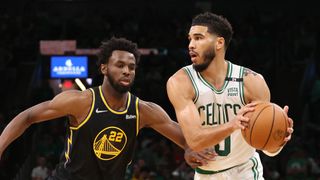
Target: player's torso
103	144
219	106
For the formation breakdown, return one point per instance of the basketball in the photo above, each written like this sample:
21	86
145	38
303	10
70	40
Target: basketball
267	127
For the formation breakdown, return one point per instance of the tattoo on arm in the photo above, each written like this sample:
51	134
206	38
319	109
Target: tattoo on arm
247	71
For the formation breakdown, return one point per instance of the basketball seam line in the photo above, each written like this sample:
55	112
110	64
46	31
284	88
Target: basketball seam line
254	122
273	117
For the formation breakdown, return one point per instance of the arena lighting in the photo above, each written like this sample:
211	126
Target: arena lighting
67	84
68	66
80	84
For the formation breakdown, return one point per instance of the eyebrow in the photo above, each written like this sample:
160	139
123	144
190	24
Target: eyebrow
196	34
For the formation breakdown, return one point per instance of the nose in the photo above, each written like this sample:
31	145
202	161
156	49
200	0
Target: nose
125	70
191	45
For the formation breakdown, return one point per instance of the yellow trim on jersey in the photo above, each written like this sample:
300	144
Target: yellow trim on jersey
138	117
89	115
69	143
109	108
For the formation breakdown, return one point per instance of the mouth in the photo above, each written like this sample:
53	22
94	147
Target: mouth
125	82
193	55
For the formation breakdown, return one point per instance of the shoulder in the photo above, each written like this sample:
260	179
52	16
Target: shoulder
251	77
178	82
147	107
145	112
181	74
72	99
151	113
255	86
74	95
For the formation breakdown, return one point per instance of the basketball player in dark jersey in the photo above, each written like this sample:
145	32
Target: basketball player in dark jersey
104	121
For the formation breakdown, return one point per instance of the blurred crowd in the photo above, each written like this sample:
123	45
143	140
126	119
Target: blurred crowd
283	47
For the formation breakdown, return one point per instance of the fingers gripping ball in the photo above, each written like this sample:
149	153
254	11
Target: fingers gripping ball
267	127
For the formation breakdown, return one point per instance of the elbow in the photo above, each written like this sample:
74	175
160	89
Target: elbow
27	119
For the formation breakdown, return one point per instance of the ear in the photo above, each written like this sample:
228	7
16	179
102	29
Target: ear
220	43
103	68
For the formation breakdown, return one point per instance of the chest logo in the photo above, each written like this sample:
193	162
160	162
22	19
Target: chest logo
130	116
109	143
233	91
101	111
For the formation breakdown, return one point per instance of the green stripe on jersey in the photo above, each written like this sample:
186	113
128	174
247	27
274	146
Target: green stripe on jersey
195	87
255	168
220	91
241	85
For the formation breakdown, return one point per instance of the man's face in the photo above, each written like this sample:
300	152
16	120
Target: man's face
120	70
201	47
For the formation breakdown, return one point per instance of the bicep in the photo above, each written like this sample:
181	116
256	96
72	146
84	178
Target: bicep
256	89
59	106
181	96
188	117
153	116
42	112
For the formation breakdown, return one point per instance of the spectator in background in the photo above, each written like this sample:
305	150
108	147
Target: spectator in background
40	172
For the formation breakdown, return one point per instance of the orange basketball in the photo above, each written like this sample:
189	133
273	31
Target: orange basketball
267	127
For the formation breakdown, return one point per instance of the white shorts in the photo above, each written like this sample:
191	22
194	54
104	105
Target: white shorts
250	170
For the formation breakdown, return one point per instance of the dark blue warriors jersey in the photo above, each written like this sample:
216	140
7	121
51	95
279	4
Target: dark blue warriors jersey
102	146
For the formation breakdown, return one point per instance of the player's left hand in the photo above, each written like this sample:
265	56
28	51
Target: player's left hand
290	127
201	158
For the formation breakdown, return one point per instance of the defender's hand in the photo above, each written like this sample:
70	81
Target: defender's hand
201	158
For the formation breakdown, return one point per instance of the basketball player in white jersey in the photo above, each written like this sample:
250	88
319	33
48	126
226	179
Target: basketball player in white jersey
210	98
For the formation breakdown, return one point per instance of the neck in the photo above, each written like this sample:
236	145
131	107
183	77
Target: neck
216	72
116	100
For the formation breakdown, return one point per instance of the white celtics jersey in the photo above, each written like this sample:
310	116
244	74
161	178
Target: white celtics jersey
218	106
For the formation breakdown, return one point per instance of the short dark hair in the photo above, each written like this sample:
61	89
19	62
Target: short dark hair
216	24
122	44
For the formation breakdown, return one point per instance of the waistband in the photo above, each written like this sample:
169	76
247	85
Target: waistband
202	171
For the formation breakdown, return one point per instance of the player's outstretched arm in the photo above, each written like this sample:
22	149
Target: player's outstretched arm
61	105
153	116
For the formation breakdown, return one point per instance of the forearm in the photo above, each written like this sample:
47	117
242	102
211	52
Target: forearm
204	137
180	141
13	130
174	133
